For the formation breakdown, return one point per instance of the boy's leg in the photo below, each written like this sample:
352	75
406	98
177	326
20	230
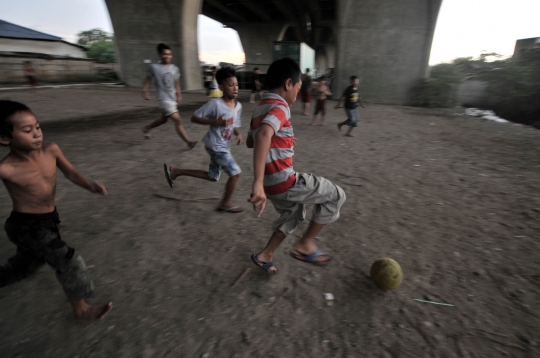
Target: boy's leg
267	254
162	120
201	174
229	190
348	134
252	98
20	266
180	129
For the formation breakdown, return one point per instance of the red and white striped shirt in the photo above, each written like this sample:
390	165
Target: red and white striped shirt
279	174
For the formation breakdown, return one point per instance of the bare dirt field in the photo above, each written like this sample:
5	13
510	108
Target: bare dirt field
454	199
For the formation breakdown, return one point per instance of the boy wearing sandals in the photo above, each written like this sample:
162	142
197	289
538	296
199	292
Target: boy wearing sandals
271	135
223	117
29	174
167	81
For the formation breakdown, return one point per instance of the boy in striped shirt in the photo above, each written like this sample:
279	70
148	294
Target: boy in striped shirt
271	135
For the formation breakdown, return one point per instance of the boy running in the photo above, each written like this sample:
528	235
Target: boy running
167	81
29	174
271	135
352	98
223	117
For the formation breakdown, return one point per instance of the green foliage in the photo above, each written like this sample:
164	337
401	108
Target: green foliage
514	88
100	45
440	89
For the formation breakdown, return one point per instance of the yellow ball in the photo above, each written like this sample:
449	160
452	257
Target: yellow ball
386	273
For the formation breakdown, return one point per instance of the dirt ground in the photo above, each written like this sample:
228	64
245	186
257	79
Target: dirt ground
453	199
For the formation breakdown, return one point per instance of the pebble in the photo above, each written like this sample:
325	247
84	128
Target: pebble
427	324
402	310
205	355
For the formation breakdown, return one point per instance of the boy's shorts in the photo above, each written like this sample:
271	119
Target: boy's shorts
306	97
308	189
222	161
320	107
352	117
168	107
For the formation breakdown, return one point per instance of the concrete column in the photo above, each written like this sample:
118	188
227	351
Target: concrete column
257	41
139	25
386	43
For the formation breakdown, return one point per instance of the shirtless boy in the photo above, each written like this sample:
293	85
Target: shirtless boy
29	174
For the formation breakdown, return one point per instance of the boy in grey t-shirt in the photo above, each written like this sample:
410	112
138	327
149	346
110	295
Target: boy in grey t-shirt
223	116
167	81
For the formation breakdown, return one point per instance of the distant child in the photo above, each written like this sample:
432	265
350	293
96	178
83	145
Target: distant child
256	86
352	98
271	135
305	89
223	117
215	92
167	81
29	174
29	73
322	93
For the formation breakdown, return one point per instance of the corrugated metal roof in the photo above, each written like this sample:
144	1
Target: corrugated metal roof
10	30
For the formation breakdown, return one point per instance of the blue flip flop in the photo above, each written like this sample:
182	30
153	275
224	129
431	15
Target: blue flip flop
264	265
311	258
168	175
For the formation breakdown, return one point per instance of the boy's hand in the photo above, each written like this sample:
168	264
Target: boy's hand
146	95
98	188
178	99
258	199
238	139
222	122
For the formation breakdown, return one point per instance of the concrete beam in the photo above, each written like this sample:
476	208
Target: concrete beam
226	10
139	25
386	43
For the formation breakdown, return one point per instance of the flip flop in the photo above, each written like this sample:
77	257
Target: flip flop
266	266
311	258
233	209
168	175
145	133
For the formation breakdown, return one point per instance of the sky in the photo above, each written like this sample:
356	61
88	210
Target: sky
464	27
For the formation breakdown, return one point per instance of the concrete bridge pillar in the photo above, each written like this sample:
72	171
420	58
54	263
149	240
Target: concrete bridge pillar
386	43
257	42
139	25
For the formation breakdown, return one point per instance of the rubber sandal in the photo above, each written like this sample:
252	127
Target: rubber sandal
311	258
145	133
266	266
233	209
168	175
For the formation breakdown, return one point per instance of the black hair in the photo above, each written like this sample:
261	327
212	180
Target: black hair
353	77
213	67
256	68
162	47
223	73
280	71
7	110
307	69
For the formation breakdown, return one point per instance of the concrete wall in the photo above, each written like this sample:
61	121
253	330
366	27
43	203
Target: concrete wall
47	70
54	48
139	25
386	43
257	42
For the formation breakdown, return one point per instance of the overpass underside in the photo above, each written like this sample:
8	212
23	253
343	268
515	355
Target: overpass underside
384	42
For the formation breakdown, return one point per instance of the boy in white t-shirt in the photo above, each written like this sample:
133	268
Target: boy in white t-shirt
223	116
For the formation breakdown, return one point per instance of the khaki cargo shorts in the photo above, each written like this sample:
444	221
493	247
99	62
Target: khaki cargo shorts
308	189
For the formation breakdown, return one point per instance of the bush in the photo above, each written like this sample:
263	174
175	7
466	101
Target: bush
440	89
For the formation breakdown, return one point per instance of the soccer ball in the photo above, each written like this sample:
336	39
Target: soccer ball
386	273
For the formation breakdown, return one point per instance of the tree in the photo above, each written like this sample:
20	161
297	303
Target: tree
100	45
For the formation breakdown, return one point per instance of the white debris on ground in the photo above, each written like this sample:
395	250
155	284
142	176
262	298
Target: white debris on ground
485	114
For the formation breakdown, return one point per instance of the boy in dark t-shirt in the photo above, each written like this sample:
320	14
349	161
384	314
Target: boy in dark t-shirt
352	98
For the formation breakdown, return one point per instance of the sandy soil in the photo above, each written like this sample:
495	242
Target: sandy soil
453	199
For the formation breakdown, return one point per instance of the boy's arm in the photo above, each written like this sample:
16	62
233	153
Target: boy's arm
249	141
73	175
178	91
221	122
145	86
260	152
238	136
339	102
361	101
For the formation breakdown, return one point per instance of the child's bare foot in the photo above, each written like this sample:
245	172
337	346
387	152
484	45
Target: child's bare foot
339	126
348	135
85	312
